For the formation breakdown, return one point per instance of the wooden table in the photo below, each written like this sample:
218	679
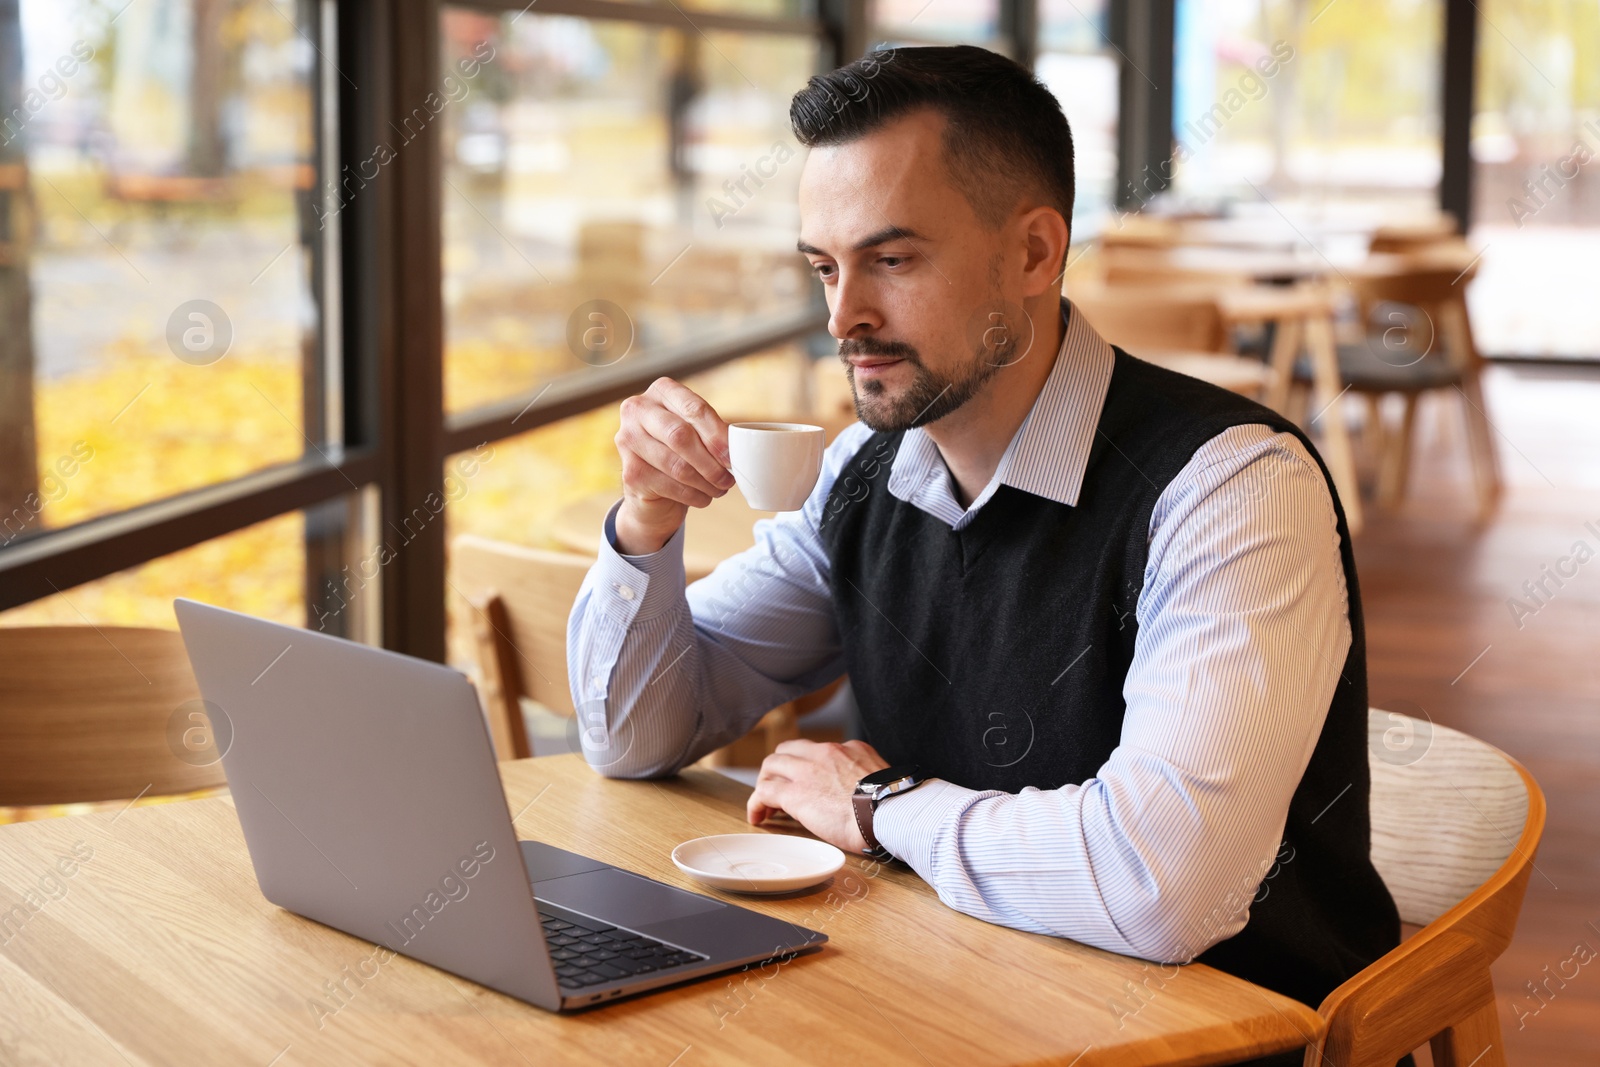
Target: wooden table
714	533
159	949
1257	264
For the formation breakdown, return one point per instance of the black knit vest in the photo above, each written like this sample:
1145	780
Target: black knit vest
994	657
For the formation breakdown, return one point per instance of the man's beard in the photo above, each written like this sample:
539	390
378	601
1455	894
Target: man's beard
930	396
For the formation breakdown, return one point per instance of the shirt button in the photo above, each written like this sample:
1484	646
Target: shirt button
623	591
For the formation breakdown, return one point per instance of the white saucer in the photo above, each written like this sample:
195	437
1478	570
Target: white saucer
758	863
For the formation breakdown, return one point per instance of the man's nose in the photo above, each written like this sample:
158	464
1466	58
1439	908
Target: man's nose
855	310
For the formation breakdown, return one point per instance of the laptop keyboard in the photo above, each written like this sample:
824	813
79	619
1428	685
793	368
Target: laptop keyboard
587	952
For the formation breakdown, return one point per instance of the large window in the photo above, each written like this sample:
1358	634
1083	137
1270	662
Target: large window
613	193
935	21
1320	104
268	266
1081	67
611	190
1536	153
158	254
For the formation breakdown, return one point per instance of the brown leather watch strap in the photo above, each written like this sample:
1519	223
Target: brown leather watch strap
862	803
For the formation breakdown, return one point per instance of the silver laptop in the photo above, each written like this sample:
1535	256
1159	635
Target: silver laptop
367	790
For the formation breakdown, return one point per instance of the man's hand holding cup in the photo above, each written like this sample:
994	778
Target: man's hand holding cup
674	450
677	453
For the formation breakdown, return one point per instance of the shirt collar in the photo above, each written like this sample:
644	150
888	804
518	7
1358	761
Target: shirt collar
1049	452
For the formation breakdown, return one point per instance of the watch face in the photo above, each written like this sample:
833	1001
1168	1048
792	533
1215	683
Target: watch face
888	774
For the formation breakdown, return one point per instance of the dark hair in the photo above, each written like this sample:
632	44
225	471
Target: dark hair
1006	134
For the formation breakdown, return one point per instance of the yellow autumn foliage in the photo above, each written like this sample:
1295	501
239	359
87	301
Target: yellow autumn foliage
156	427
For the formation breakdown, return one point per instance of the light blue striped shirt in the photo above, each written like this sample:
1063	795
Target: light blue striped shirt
1243	628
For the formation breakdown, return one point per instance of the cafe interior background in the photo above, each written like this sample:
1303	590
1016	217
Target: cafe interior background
275	336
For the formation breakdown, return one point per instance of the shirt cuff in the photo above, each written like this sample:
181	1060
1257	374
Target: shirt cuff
908	825
635	588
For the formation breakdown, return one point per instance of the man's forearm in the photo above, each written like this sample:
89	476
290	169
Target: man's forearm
631	620
1074	862
657	683
662	675
1018	860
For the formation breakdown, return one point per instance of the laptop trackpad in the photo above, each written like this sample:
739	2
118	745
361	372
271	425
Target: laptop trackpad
623	898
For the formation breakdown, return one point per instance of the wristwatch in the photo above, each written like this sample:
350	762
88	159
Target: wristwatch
872	791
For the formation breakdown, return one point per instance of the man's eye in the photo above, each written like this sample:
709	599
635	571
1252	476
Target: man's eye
892	261
822	270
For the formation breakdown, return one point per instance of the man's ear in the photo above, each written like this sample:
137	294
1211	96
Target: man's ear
1047	236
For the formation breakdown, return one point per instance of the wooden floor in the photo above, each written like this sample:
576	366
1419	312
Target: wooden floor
1442	638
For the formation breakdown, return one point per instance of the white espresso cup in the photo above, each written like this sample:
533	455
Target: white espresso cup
775	463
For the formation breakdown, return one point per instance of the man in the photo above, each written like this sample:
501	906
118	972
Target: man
1101	618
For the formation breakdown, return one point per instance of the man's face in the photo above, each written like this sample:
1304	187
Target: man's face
910	272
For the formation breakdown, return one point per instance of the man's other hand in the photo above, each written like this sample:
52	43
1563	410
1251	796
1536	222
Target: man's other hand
674	451
813	782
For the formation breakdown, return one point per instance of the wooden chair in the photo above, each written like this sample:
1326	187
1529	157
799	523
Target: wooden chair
97	714
1177	326
1423	343
519	599
1443	825
1154	316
